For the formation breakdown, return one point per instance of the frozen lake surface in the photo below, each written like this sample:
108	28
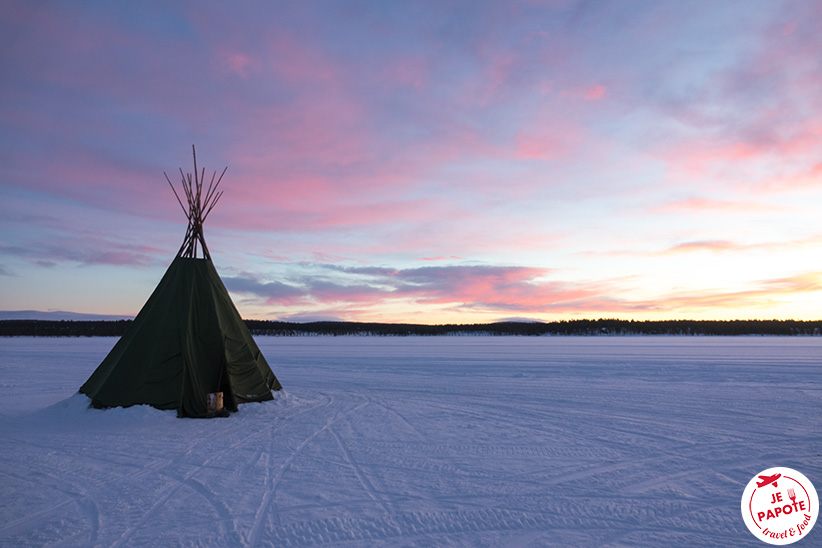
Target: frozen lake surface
418	442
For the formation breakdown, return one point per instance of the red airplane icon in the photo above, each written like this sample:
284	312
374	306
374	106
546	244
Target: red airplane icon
767	480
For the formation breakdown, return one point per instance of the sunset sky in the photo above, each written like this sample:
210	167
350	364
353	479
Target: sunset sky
425	162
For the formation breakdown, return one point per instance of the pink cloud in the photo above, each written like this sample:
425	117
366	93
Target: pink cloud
542	146
362	292
127	184
476	288
709	245
806	179
240	63
273	293
296	62
89	251
698	204
759	118
549	136
411	72
331	258
697	158
596	92
717	246
306	148
299	212
440	258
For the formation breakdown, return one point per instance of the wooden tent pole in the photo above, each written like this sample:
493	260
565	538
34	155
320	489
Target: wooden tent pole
200	205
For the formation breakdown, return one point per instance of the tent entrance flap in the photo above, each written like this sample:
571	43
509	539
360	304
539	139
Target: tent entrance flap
246	371
224	388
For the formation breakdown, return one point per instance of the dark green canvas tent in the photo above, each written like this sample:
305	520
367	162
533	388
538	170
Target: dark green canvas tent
188	340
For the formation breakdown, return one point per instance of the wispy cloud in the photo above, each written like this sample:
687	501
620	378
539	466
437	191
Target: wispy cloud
593	93
440	258
701	204
271	292
510	289
754	116
709	245
763	295
97	252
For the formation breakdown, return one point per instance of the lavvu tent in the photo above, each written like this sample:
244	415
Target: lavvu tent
188	341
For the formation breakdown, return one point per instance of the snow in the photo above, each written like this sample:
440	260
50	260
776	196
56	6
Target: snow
418	442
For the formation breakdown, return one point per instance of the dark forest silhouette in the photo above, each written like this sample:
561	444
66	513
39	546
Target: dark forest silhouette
602	327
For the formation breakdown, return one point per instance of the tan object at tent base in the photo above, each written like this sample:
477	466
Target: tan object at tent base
215	402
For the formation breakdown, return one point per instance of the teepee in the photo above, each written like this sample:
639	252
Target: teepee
188	342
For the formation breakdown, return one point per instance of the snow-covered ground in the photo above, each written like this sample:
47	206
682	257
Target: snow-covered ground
418	442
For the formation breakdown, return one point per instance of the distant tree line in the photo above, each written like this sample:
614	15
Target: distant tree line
64	328
563	327
602	327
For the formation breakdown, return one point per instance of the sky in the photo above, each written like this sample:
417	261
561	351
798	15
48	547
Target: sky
423	162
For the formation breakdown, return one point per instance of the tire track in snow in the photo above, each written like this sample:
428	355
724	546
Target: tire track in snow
393	411
186	481
88	508
708	525
30	521
430	524
487	415
272	483
478	449
361	476
155	468
168	492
